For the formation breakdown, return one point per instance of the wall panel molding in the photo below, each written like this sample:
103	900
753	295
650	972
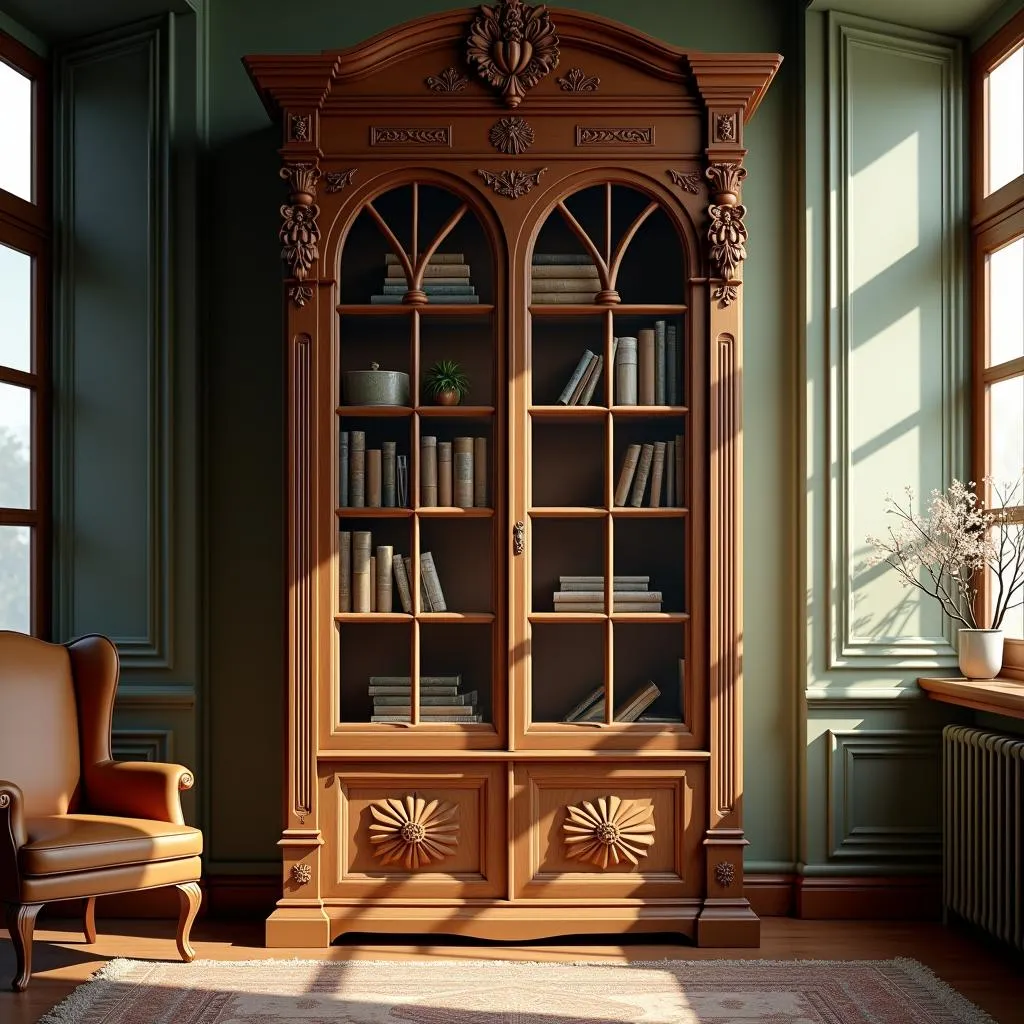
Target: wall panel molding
149	696
848	647
142	744
852	834
113	242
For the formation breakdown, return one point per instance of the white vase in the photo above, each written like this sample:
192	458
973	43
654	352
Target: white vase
981	653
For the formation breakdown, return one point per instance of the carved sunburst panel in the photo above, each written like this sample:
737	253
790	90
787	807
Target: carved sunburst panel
608	830
413	830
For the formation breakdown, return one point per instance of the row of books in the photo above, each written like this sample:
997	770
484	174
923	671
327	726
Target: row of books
563	279
445	280
442	699
591	708
647	367
365	577
582	384
659	463
453	473
577	594
371	477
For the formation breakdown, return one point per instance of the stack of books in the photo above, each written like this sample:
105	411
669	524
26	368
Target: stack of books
580	387
647	367
446	279
365	579
371	477
659	463
453	473
442	699
586	594
591	708
563	279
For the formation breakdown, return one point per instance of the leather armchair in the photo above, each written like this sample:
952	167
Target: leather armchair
75	824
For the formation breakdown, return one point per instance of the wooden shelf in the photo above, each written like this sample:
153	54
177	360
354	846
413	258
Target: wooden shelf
464	412
568	412
453	512
536	617
393	411
372	512
622	309
372	617
998	696
369	309
472	618
630	411
650	617
665	512
568	512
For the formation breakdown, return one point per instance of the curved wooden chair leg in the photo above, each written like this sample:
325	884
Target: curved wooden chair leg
21	922
189	898
89	922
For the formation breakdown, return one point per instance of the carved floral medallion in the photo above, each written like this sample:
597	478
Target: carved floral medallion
725	127
299	233
610	829
413	830
448	80
577	80
511	135
727	234
511	184
302	874
725	874
512	46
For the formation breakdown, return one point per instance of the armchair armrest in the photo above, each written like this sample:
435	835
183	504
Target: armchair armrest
12	837
138	789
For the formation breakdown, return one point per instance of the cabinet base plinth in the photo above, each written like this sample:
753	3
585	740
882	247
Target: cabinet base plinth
728	924
298	927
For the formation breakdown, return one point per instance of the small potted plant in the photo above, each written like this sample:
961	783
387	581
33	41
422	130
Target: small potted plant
446	382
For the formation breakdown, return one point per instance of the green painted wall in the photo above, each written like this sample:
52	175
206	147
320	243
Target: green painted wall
245	618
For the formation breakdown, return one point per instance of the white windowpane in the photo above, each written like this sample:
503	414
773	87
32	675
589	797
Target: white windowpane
1006	303
15	447
16	578
16	131
15	309
1006	430
1006	121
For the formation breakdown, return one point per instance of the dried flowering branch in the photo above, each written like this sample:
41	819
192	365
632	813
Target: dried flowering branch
944	553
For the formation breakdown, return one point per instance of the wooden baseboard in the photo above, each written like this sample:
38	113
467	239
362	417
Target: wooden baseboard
898	897
770	895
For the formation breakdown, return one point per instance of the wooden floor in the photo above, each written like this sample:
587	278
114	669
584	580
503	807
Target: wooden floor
989	977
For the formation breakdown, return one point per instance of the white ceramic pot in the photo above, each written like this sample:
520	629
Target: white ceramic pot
981	653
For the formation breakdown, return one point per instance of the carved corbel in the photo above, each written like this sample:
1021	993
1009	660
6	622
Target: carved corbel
727	234
299	233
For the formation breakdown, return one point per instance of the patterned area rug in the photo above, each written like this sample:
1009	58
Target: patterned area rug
506	992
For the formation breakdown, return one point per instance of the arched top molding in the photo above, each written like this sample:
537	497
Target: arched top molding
307	81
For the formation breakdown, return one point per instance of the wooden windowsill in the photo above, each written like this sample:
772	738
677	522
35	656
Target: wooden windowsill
999	696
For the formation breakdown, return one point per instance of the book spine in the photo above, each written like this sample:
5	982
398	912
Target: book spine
625	372
402	583
428	470
384	566
561	259
345	571
361	585
564	298
373	478
576	283
588	391
657	474
674	386
577	376
444	472
409	570
680	483
343	469
626	474
402	480
643	469
432	582
584	381
670	473
480	472
432	269
391	259
462	472
387	479
660	388
373	583
645	362
357	469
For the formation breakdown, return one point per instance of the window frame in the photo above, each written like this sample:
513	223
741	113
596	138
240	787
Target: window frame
27	227
996	220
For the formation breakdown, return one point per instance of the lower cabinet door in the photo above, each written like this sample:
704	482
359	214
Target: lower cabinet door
598	831
431	833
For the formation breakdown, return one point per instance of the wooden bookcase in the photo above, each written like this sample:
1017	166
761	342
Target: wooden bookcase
620	151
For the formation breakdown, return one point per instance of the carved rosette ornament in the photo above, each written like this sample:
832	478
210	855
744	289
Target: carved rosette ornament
688	181
725	874
613	830
448	80
413	830
512	46
726	233
577	80
337	180
511	184
302	874
511	135
299	233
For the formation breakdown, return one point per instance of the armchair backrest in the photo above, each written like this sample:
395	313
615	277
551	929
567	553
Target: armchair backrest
55	708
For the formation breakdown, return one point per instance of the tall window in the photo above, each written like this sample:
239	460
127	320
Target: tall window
997	236
24	284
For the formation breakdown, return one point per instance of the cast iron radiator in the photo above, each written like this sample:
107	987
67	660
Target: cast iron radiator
983	830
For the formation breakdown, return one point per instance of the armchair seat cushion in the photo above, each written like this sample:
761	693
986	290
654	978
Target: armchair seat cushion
88	842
